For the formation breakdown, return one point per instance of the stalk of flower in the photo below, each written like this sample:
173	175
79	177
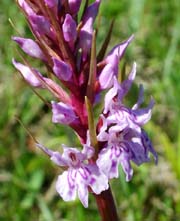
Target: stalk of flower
68	49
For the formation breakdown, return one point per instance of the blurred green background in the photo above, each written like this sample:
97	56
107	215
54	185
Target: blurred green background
27	177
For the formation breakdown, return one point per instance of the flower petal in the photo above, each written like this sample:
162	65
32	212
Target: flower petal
74	6
32	76
91	12
55	156
66	186
51	3
85	37
140	98
97	180
30	47
119	49
126	84
140	153
40	24
103	135
83	194
73	156
147	144
108	72
62	70
108	100
125	163
69	29
25	6
143	115
63	113
107	162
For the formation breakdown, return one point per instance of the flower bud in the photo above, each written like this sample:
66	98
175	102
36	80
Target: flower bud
30	75
63	113
69	29
74	6
62	70
51	3
30	47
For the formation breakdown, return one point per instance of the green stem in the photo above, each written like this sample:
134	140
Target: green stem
106	206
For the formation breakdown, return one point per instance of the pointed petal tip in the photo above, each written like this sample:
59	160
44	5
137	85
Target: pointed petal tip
134	65
132	74
13	61
40	146
44	149
129	175
13	38
131	38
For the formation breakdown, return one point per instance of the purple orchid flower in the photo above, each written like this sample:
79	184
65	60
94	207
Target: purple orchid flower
80	174
63	42
121	130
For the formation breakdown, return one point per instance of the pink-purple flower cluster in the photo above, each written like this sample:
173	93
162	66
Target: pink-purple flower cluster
64	43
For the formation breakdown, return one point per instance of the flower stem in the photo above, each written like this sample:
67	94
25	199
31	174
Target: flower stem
106	206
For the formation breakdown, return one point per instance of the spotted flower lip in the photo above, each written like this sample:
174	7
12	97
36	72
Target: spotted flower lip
79	176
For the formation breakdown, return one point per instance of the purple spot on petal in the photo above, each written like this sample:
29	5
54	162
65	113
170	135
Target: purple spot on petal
84	172
92	181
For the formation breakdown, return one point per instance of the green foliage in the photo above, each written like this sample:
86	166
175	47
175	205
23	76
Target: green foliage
27	178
